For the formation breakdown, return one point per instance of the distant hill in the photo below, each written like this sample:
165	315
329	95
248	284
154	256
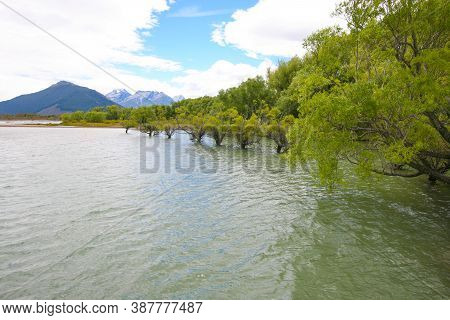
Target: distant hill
141	98
59	98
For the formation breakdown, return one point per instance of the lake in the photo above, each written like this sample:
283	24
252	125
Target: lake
100	214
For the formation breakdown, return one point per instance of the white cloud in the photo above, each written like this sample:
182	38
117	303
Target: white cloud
218	34
108	32
195	12
221	75
192	83
144	61
105	31
275	27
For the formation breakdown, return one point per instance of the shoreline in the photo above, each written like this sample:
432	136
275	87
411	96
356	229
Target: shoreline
56	126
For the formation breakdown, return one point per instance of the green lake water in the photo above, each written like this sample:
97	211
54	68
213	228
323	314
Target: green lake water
100	214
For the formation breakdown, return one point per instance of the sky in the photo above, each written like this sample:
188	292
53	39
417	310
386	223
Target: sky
181	47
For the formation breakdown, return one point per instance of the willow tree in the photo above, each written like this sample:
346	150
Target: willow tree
169	127
280	81
218	126
142	115
246	131
150	128
277	128
381	101
250	96
128	124
193	124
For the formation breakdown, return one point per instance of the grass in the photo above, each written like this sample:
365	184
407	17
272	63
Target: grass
104	124
27	117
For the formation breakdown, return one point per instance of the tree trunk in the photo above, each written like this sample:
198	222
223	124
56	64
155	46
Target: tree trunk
433	175
440	127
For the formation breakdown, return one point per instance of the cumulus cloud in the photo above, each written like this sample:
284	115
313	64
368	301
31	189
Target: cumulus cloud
274	27
221	75
191	83
108	32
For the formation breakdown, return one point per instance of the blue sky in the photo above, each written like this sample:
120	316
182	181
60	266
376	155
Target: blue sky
188	47
184	33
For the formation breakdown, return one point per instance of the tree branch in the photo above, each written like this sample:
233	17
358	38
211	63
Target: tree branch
392	173
439	126
398	174
436	154
432	173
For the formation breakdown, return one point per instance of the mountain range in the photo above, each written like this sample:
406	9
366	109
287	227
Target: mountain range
64	97
61	97
141	98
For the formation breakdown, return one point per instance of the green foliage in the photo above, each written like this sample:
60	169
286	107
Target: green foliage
150	128
277	128
202	104
246	131
66	117
169	126
128	124
248	97
280	79
76	116
113	112
192	123
378	95
219	125
95	116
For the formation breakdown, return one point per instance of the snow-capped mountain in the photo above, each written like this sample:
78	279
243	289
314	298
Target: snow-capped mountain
140	98
118	95
146	98
178	98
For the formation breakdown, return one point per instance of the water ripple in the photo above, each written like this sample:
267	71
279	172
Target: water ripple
78	219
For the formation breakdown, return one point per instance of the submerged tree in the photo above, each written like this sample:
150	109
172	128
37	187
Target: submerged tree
219	126
192	124
128	124
277	129
149	128
169	127
246	131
